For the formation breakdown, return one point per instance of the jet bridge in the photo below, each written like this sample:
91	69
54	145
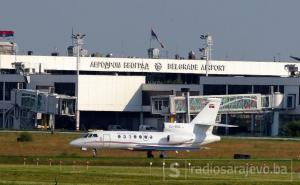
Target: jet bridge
29	106
230	104
177	107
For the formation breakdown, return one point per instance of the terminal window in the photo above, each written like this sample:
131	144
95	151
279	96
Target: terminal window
290	101
65	88
214	89
8	87
299	96
1	90
262	89
239	89
1	119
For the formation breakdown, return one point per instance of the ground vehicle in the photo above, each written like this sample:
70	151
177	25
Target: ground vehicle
147	128
115	128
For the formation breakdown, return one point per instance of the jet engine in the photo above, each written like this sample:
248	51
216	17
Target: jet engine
178	139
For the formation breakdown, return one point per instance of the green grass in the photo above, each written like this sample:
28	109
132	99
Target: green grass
127	161
57	145
43	174
127	167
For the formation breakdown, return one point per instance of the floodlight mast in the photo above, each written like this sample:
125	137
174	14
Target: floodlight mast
206	50
78	41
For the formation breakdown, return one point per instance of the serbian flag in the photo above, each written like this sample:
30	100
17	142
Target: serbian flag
6	33
154	36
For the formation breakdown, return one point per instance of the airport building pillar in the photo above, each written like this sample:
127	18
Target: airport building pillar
187	98
188	114
16	119
226	116
252	123
52	122
35	120
275	124
141	118
227	123
3	120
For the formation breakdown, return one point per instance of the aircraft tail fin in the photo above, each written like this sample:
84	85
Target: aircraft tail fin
209	113
203	122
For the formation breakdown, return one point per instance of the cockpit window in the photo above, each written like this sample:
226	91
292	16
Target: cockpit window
85	135
90	135
95	135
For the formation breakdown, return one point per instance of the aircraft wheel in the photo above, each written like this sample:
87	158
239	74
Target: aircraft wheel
162	155
94	152
149	154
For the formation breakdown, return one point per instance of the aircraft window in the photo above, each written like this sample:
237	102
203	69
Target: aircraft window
145	136
150	137
124	136
140	137
119	136
90	135
85	136
95	135
134	136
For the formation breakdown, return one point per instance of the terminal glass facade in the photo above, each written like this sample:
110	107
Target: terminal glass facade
1	91
262	89
8	87
239	89
65	88
214	89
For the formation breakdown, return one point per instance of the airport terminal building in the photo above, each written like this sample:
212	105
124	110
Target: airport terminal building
134	91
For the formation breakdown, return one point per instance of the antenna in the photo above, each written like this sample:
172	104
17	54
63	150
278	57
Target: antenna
72	37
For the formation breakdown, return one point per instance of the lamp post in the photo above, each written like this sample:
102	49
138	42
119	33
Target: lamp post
78	38
206	50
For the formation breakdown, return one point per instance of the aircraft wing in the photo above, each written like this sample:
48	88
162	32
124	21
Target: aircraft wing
296	58
161	148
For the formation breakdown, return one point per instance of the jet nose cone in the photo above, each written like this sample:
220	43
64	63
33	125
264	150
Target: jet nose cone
75	143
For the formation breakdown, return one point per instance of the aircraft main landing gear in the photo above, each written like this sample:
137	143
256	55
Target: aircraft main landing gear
162	155
149	154
94	152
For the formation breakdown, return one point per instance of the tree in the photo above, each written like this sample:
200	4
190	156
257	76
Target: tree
291	129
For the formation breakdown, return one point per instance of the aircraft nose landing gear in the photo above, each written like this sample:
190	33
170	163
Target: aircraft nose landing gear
149	154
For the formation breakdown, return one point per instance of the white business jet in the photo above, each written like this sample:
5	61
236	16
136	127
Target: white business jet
175	136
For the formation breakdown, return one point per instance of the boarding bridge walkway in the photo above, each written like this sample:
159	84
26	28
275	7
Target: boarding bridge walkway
230	104
28	106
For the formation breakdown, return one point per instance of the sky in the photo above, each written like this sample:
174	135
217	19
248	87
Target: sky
241	29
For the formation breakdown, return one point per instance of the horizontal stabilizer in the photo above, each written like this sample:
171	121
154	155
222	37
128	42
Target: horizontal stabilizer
295	58
216	125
